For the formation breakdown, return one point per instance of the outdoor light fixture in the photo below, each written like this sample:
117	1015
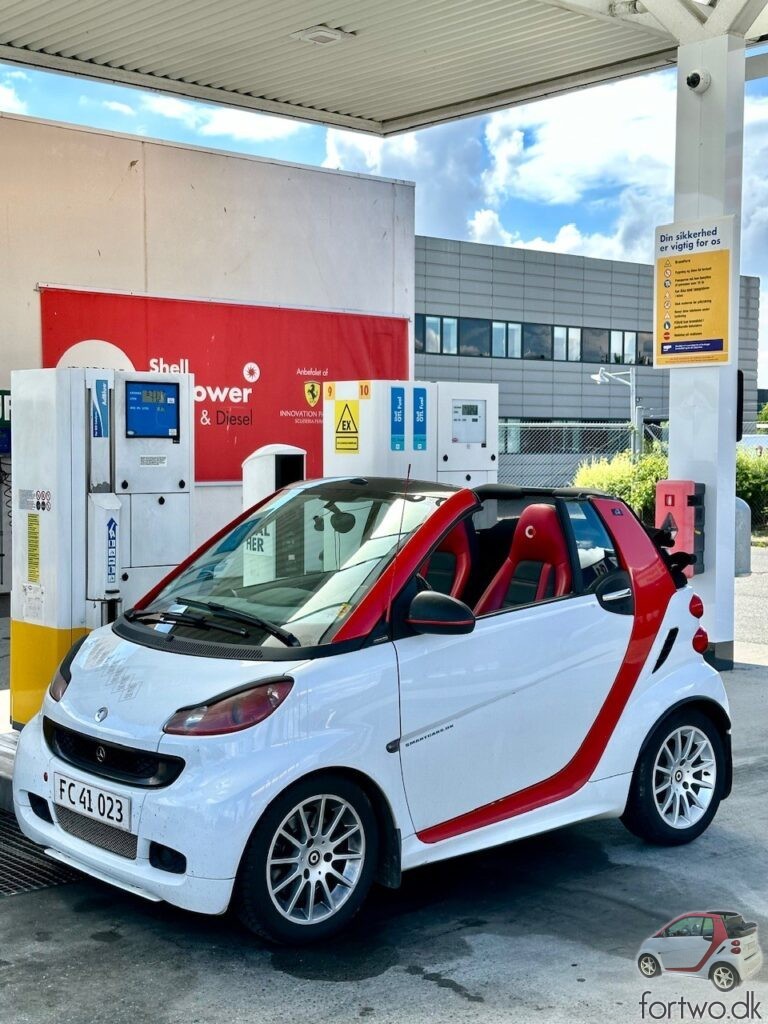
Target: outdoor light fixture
627	377
322	35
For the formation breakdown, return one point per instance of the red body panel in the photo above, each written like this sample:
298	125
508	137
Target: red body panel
375	604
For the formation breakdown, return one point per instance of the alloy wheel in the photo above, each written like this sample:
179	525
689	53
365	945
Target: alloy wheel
315	859
647	966
684	775
723	977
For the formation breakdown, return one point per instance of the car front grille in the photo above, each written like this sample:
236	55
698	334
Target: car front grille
110	760
106	837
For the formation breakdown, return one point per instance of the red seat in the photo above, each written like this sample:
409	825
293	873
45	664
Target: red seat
537	566
447	568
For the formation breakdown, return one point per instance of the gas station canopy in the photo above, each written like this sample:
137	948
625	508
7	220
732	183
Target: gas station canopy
381	66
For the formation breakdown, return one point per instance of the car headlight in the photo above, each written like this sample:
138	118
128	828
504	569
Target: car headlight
63	674
231	712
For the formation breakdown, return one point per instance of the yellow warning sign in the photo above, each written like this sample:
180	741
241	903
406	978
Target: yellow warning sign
346	419
693	285
33	547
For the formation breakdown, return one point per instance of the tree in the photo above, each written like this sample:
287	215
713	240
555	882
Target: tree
762	416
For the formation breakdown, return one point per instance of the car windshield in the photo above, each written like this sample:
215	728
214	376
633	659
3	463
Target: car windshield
289	574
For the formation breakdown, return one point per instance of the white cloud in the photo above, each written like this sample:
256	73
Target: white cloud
119	108
10	101
446	162
556	150
485	226
222	122
20	75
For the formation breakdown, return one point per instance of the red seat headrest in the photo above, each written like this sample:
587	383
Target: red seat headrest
539	539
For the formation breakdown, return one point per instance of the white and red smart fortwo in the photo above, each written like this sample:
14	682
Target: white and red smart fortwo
715	944
358	677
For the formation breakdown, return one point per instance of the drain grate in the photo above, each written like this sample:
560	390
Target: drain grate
23	865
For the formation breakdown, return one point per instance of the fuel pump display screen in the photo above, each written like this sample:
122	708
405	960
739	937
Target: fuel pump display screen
151	409
468	422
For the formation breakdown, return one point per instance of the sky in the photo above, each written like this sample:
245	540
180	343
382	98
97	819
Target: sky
590	172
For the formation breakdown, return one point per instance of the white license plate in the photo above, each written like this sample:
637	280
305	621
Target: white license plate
92	802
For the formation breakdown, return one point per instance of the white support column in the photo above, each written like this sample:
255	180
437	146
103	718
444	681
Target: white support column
702	401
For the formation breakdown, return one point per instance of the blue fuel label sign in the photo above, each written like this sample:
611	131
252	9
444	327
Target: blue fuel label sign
419	419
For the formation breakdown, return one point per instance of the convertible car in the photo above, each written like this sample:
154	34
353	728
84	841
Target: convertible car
361	676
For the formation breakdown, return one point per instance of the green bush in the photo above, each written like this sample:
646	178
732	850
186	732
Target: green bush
636	482
752	483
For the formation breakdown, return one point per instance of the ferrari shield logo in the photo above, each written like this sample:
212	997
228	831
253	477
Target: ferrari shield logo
312	393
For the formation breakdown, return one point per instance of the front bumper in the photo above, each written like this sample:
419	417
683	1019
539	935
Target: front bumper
171	816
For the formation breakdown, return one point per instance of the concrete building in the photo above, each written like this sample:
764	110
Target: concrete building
540	323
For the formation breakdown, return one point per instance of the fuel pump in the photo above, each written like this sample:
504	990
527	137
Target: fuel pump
103	474
445	431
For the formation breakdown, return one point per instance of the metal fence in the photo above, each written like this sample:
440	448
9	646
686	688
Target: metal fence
548	454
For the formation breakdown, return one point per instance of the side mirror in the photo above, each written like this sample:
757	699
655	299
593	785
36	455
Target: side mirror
433	612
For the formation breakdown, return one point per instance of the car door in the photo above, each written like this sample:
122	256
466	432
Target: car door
683	945
487	716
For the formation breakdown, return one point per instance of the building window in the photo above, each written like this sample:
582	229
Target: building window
630	346
514	341
617	346
418	332
644	348
450	336
594	345
574	344
537	341
474	337
560	342
499	339
432	334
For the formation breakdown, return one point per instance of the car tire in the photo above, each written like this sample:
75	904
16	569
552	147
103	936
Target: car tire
672	815
309	863
724	976
648	965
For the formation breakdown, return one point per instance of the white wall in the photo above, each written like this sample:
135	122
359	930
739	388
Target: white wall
90	209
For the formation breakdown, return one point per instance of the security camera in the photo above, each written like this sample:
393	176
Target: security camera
699	81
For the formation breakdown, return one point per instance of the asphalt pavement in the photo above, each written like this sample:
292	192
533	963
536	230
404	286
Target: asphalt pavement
541	930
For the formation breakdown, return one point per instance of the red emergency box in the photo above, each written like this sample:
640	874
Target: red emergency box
680	512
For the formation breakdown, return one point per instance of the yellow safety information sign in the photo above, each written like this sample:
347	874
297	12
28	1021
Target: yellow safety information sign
33	547
346	430
693	293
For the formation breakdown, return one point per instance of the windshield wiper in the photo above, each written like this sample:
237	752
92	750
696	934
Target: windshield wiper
182	619
223	611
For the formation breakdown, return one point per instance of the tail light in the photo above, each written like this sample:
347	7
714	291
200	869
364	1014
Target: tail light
700	641
736	946
696	607
230	713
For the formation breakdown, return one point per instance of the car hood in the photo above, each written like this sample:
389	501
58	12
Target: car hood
140	688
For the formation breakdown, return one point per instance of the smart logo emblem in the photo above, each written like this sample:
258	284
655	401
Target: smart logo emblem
100	715
111	551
